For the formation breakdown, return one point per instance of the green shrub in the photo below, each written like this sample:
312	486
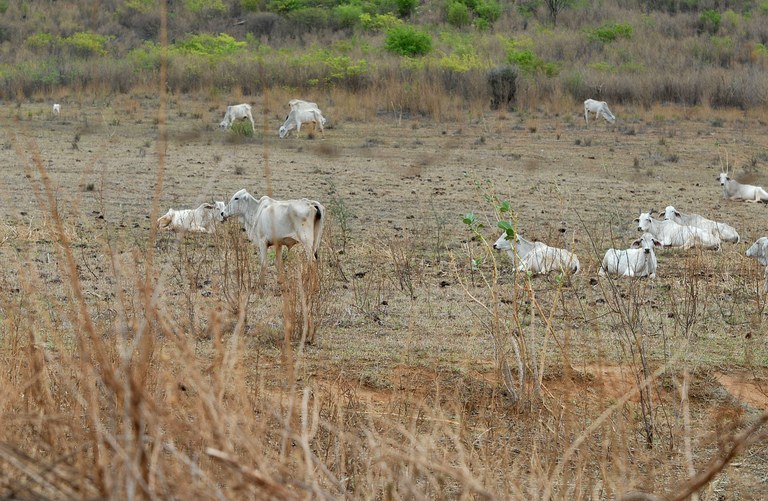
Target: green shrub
285	6
406	7
310	18
250	5
347	15
86	44
406	40
529	63
209	45
610	32
242	128
709	22
40	40
457	14
488	10
146	57
198	6
143	6
379	22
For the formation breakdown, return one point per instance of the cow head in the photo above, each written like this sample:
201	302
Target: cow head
670	213
237	205
646	242
759	251
282	131
723	178
644	221
505	242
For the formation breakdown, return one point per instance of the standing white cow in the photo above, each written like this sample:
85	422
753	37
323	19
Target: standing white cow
733	190
759	251
637	261
672	234
599	108
278	222
201	220
726	232
537	257
237	112
56	109
301	114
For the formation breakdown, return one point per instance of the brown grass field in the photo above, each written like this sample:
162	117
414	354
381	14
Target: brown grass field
143	366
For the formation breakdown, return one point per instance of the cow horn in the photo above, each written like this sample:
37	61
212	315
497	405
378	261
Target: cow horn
650	211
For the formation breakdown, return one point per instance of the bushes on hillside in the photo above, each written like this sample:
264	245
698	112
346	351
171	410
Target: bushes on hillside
406	40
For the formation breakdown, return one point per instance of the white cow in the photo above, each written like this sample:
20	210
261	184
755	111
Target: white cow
278	222
599	108
637	261
726	232
300	103
759	251
672	234
237	112
537	257
201	220
301	114
734	190
56	109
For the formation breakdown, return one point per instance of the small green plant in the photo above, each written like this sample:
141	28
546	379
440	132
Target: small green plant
709	22
242	128
408	41
457	14
610	32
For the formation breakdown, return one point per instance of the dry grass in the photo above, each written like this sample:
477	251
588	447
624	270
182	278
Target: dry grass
136	367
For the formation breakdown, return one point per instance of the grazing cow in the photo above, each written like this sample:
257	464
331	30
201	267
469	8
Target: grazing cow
726	232
278	222
237	112
759	251
301	114
537	257
637	261
733	190
599	108
672	234
56	109
200	220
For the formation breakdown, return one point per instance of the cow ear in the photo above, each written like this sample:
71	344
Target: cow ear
635	245
637	219
656	243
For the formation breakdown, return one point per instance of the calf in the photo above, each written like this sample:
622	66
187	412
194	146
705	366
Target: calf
237	112
537	257
637	261
301	114
200	220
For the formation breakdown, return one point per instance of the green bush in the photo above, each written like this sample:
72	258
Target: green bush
250	5
488	10
347	15
406	40
209	45
529	63
285	6
610	32
379	22
310	18
242	128
406	7
457	14
40	41
198	6
86	44
709	22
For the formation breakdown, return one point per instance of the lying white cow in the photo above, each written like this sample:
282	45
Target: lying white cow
599	108
726	232
237	112
202	220
637	261
537	257
278	222
734	190
759	251
301	114
672	234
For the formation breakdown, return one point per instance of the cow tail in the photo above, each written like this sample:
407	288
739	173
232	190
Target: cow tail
318	226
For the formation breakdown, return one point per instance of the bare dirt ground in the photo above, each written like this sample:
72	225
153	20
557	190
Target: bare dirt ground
395	316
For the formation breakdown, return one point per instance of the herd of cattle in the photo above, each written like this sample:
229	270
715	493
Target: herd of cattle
268	222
